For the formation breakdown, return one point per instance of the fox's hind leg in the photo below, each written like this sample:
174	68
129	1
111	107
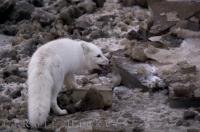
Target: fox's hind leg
54	104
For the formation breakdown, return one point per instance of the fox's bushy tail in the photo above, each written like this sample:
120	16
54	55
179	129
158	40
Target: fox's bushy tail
39	97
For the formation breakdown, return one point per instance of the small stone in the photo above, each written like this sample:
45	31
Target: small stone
189	114
68	14
11	70
43	17
179	123
82	23
27	47
87	6
4	99
136	35
16	93
14	78
182	122
98	34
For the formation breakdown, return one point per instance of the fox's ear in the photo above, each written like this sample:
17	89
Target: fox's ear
85	47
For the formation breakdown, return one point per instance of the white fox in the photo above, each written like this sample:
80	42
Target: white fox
48	67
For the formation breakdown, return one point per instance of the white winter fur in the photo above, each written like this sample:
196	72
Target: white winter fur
47	69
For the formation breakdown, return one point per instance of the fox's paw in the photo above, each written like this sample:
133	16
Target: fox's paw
63	112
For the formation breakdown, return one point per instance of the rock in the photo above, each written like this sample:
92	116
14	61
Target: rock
99	3
186	24
86	98
128	2
4	99
135	75
10	30
98	34
8	53
122	93
21	11
14	78
87	6
82	23
37	3
27	47
10	70
140	35
166	13
16	93
136	51
189	114
43	17
69	14
181	90
184	33
45	37
92	100
182	123
142	3
186	68
171	41
6	7
193	130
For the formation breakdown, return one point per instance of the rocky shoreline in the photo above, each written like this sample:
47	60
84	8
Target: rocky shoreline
154	78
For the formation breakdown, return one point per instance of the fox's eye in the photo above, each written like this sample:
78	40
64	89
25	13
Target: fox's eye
98	55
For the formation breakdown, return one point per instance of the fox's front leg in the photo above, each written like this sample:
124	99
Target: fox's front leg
70	82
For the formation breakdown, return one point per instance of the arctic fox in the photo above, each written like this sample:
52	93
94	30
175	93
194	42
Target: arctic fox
48	67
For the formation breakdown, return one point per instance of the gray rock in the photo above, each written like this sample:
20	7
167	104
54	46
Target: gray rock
189	114
87	6
14	78
68	14
43	17
10	30
4	99
140	35
182	122
98	34
10	70
82	23
21	11
27	47
16	93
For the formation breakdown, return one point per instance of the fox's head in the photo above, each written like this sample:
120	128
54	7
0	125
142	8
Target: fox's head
94	56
